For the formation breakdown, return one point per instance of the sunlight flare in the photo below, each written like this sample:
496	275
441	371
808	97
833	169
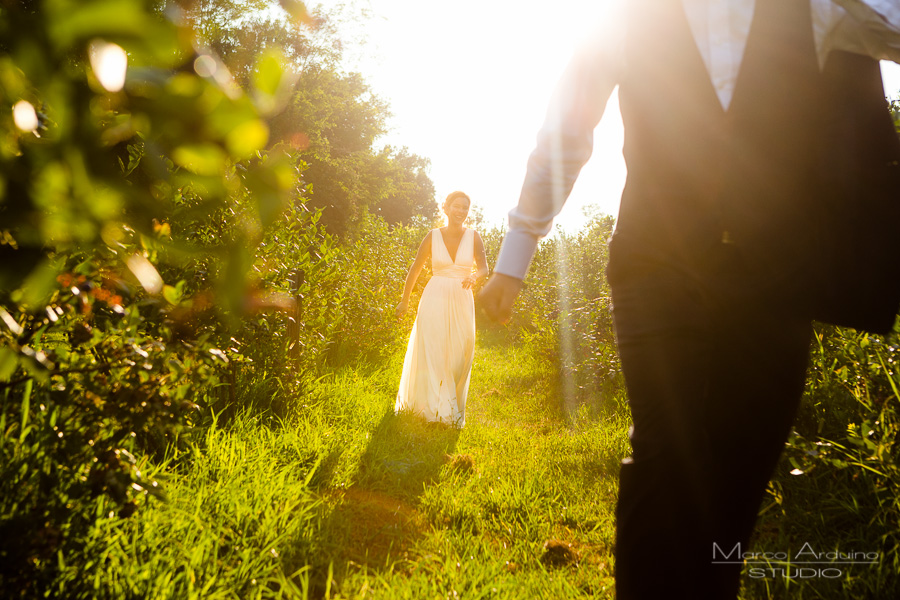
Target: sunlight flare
110	63
146	273
205	65
562	286
25	116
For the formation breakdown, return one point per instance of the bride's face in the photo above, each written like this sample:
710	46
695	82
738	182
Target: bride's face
458	211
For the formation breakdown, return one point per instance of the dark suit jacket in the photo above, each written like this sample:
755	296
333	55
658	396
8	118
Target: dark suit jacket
799	175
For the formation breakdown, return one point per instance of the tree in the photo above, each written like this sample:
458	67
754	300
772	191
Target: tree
331	122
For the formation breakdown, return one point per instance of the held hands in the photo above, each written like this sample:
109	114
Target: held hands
498	295
469	282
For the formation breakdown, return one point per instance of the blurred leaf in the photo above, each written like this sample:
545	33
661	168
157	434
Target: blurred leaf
74	21
269	73
9	360
171	294
233	296
297	11
247	138
203	159
273	82
270	202
37	287
105	204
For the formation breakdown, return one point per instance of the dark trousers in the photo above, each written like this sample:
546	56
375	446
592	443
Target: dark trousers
714	379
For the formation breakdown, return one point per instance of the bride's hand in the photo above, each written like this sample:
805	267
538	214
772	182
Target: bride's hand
469	282
401	309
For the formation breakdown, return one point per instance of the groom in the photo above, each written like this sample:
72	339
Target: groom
757	141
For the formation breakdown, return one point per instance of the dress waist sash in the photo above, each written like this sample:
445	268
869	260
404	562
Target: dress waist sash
455	272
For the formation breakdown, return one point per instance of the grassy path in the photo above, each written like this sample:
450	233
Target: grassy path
347	500
519	504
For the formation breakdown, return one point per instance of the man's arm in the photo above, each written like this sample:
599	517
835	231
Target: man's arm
868	27
564	144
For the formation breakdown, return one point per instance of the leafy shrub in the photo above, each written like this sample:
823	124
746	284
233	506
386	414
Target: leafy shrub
102	359
373	269
296	291
102	393
565	307
841	469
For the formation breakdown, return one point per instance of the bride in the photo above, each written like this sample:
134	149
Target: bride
435	379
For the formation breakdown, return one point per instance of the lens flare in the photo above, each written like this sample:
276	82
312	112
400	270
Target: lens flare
110	63
562	287
146	273
205	65
25	116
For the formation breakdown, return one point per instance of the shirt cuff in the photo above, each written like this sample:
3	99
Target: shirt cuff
516	252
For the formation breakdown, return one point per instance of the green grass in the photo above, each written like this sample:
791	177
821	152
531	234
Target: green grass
345	499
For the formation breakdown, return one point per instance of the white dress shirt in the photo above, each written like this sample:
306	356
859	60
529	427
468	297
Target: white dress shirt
720	28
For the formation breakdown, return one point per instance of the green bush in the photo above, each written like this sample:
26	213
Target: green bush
565	310
373	268
105	348
838	487
78	430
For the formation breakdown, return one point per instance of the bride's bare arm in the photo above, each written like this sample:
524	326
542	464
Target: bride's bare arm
412	276
481	271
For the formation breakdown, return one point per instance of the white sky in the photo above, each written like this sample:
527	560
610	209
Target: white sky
468	83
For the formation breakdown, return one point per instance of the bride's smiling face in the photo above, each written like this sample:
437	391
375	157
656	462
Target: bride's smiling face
458	211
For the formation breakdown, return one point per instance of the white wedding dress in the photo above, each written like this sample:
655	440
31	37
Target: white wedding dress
435	379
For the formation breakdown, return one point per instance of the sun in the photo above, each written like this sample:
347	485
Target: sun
469	82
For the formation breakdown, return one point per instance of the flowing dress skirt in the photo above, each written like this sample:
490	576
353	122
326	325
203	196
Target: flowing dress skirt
438	363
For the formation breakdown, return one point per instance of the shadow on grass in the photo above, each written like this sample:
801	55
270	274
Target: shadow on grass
375	521
513	387
491	334
404	454
518	383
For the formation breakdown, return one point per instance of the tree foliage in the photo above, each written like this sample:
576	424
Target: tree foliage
331	120
124	146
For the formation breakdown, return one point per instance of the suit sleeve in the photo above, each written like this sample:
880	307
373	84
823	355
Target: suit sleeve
867	27
564	144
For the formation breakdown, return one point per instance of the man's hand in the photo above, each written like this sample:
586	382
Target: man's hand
498	295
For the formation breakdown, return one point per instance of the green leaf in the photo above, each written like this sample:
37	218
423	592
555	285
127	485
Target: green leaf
272	82
9	360
202	159
105	203
75	21
269	72
171	294
247	138
38	286
297	10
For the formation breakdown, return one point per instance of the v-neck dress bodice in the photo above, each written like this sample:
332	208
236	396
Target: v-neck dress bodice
444	265
438	362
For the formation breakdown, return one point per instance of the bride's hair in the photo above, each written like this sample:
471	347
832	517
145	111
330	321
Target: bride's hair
453	196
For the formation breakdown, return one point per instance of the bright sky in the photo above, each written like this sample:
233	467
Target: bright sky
468	83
